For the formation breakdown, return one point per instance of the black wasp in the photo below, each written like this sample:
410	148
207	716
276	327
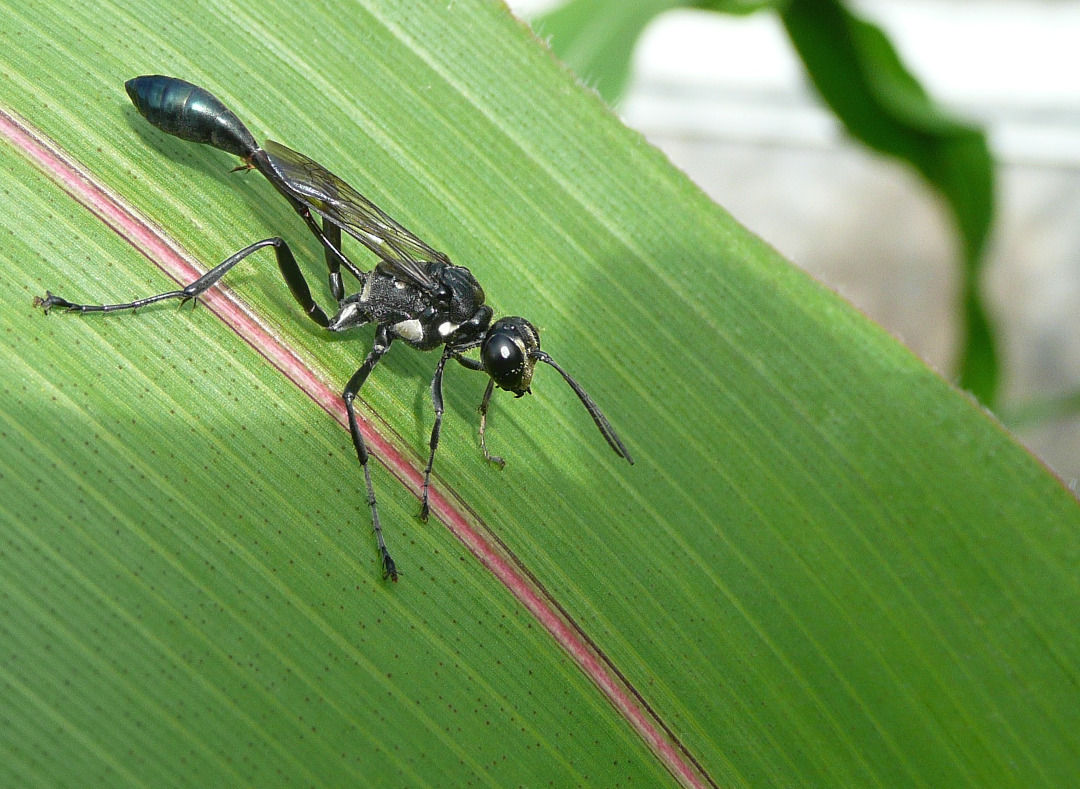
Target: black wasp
414	293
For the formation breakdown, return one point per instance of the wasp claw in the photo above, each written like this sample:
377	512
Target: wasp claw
389	568
48	302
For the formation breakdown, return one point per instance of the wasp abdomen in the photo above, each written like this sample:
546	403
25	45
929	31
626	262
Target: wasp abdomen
191	113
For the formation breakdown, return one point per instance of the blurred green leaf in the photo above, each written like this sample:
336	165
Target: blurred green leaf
861	77
826	567
596	38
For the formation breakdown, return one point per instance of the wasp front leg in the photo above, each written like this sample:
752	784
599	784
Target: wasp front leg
437	402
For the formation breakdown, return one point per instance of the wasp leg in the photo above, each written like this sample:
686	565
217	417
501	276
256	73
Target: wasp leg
331	243
352	389
298	286
332	233
437	401
286	263
465	361
498	461
473	364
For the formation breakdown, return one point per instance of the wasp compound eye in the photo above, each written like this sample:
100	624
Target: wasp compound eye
503	356
507	354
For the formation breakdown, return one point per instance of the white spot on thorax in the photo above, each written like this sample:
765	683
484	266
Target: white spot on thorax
410	330
446	328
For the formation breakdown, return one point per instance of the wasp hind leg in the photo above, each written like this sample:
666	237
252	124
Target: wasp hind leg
286	264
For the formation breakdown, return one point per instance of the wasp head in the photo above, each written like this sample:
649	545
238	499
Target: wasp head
509	353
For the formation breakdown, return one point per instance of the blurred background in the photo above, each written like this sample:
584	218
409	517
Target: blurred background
728	100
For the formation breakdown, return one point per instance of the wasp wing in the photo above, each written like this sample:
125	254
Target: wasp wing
401	253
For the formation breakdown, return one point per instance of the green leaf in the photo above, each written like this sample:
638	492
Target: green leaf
861	77
827	566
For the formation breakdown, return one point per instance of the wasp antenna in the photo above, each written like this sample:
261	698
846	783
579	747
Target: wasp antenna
590	405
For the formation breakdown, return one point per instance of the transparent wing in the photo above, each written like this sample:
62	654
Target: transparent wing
401	253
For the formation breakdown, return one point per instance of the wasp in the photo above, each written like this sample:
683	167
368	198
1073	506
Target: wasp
413	294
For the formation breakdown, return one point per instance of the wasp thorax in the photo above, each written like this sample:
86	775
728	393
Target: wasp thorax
462	293
507	353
